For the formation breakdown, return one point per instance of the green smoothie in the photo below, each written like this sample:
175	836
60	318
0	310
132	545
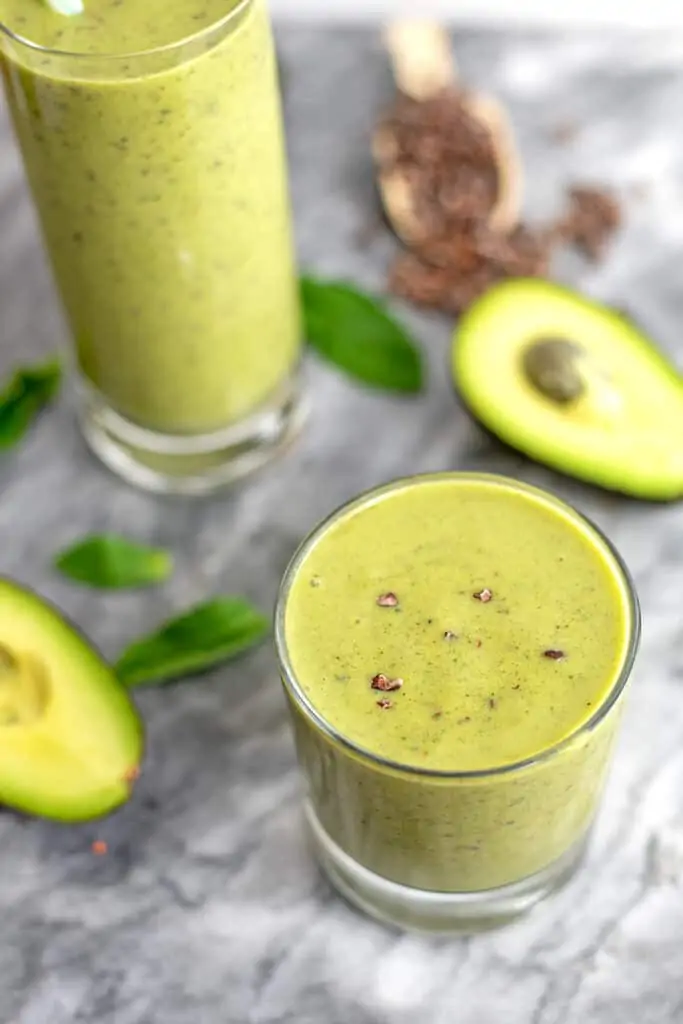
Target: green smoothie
455	649
161	188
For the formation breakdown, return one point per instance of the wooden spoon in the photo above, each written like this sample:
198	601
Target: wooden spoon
423	67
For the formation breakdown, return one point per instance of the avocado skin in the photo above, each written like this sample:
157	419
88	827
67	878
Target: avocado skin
638	476
34	805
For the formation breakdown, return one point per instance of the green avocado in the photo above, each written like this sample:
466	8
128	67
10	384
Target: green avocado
70	738
573	384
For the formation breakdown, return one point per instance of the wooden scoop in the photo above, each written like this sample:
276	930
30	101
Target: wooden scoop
423	67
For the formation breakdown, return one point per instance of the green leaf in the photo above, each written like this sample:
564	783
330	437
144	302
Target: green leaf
110	562
197	640
353	331
28	391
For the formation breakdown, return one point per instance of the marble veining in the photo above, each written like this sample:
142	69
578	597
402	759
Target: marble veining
207	909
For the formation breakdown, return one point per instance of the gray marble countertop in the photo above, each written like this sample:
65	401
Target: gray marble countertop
658	14
207	909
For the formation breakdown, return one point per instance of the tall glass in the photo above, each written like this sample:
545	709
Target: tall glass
443	850
160	183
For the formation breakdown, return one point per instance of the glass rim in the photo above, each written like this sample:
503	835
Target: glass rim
154	51
305	705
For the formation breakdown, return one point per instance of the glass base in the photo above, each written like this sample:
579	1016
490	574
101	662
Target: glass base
191	464
436	912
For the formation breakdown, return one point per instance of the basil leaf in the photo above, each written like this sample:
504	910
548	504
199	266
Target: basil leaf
28	391
206	635
111	562
353	331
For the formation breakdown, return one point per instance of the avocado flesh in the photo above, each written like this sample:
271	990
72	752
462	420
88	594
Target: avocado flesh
70	738
623	433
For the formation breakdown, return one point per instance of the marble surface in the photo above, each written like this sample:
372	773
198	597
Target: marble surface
207	909
655	14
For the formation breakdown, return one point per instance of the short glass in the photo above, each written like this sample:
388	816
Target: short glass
160	183
363	812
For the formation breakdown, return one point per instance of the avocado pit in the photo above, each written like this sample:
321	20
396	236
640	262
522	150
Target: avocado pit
553	367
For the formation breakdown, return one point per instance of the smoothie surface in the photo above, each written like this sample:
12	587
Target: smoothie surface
112	26
488	680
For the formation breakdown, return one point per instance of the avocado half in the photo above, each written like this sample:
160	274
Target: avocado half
620	428
71	740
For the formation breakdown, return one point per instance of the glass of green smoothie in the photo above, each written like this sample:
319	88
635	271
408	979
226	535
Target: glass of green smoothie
152	140
455	650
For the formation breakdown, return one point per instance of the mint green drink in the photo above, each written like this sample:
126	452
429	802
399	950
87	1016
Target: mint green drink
151	136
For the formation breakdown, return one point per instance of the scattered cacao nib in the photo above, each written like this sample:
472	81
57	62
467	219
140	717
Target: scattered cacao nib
477	643
450	273
445	161
384	683
387	600
463	721
555	655
484	595
517	686
450	635
564	132
437	715
593	216
492	703
385	704
315	581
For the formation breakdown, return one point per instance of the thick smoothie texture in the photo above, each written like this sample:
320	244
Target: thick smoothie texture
161	187
456	624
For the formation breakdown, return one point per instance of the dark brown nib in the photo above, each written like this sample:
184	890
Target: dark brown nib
384	683
387	600
463	721
437	715
564	131
450	635
385	704
555	655
484	595
593	217
492	702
